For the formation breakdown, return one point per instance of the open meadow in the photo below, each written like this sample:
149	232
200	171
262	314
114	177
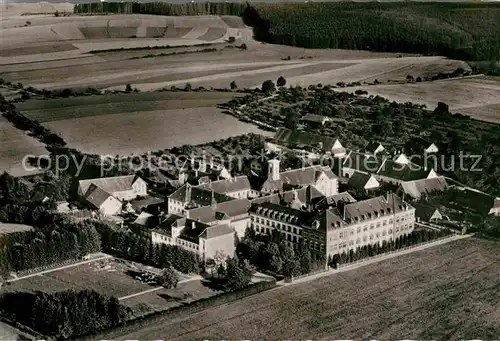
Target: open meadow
115	278
137	122
14	146
478	97
446	292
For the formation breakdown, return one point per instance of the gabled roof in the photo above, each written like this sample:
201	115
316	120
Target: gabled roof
304	139
228	209
199	195
111	184
362	162
417	145
334	200
306	176
371	208
96	195
373	146
359	180
416	188
314	118
476	200
281	213
236	184
216	231
146	219
425	212
13	228
409	172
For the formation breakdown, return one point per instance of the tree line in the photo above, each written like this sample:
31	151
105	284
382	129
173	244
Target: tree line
460	31
130	246
64	314
272	253
414	238
161	8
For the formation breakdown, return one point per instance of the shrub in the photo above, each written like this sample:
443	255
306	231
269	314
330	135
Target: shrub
281	81
168	278
233	85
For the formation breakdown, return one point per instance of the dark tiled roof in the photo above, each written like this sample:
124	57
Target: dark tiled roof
424	212
314	118
199	195
305	176
302	139
409	172
239	183
417	145
224	210
333	200
359	180
96	195
111	184
372	147
216	231
371	208
281	213
362	162
416	188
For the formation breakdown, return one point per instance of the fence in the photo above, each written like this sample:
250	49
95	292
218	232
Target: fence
294	278
183	310
340	266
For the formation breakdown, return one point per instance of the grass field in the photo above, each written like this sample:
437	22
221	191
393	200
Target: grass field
14	146
477	96
136	123
447	292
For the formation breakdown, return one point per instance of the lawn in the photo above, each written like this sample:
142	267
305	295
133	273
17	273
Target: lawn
106	277
447	292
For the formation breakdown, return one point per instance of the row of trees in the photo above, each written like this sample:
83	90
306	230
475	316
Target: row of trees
462	31
64	314
271	252
132	247
414	238
162	8
235	274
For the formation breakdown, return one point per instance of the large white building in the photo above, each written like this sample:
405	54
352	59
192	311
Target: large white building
200	238
107	194
320	177
337	230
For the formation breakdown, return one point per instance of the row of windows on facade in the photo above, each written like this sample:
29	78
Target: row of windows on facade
272	223
404	228
182	242
374	226
291	239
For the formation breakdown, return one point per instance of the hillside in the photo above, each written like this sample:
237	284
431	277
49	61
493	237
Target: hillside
469	31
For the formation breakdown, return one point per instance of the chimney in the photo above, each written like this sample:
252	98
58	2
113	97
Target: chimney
213	202
188	193
273	171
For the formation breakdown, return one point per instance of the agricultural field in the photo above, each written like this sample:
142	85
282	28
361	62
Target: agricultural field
114	278
450	291
138	122
478	97
14	146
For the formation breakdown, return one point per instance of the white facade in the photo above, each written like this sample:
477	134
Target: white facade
110	206
327	186
370	232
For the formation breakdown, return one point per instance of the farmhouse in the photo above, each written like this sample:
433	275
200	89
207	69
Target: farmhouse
195	236
104	202
400	170
363	181
374	148
360	162
123	188
301	140
427	213
340	229
315	120
322	178
419	145
418	188
480	202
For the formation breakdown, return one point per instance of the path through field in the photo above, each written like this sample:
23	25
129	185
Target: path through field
447	292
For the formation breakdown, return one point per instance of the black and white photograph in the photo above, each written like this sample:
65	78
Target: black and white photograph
270	170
